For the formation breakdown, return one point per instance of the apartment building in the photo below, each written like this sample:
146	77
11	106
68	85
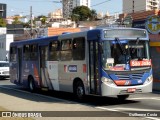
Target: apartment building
3	8
131	6
69	5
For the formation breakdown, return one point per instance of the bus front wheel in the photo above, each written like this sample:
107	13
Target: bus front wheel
79	90
31	84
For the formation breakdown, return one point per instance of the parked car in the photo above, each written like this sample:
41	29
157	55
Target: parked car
4	69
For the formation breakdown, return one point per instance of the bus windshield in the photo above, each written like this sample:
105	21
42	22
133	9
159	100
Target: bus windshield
120	55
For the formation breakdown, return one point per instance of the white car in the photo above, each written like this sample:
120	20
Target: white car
4	69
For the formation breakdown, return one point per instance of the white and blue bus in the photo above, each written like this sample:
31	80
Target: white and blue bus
102	61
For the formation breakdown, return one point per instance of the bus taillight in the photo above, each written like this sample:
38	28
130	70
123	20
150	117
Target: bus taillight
84	68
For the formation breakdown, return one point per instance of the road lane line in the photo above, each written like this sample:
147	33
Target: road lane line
153	118
151	98
106	109
135	109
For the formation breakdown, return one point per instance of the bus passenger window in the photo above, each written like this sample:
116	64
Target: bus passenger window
33	52
79	48
66	50
26	52
13	52
54	50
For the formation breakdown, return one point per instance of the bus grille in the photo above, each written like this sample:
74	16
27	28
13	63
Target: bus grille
135	76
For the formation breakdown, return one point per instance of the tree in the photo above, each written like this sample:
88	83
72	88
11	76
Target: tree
81	13
2	22
16	21
93	15
42	18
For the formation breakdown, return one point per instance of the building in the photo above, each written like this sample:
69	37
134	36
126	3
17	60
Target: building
3	9
5	40
131	6
69	5
56	14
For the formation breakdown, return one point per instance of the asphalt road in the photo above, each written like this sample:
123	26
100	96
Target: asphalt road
15	98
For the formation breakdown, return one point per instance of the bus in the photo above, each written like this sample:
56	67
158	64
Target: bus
101	61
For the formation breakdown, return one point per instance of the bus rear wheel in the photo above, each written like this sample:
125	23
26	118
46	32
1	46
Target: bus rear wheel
31	84
79	90
122	97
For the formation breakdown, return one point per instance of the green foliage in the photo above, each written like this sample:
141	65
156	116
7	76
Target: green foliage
93	15
16	21
42	18
2	22
83	13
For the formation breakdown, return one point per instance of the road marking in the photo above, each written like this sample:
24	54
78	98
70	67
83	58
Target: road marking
151	98
106	109
152	118
135	109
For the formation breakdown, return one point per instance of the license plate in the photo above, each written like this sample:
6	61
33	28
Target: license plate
131	90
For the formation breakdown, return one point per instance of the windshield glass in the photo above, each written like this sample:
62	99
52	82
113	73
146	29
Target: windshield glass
4	64
125	54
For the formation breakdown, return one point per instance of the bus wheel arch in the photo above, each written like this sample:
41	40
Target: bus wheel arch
78	88
31	84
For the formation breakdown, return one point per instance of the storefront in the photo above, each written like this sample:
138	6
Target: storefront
150	20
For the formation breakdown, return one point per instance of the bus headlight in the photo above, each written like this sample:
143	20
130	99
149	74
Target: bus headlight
108	81
149	79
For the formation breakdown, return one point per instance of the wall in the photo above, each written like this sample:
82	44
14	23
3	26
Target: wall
58	31
5	41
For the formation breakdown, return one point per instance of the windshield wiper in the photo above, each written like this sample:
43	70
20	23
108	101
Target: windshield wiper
121	46
137	41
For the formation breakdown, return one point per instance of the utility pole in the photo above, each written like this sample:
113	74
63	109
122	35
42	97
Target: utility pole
31	32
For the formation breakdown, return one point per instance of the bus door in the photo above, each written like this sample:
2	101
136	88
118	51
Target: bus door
19	70
44	75
93	67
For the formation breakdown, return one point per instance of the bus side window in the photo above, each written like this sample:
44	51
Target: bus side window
26	52
79	48
33	52
13	52
66	50
54	50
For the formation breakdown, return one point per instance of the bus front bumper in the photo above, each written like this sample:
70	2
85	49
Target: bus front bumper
108	90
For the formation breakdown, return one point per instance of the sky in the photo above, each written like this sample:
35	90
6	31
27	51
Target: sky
43	7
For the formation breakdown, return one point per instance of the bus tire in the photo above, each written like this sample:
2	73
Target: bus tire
79	90
31	84
122	97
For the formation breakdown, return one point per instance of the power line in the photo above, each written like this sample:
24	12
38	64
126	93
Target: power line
100	3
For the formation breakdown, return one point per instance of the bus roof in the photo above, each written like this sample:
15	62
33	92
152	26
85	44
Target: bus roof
93	34
32	41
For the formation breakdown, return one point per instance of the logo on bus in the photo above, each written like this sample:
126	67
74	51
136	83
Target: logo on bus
70	68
